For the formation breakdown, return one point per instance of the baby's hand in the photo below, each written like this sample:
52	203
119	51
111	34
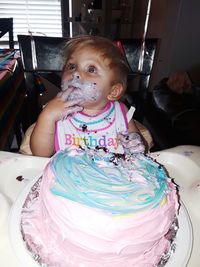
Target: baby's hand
131	142
60	108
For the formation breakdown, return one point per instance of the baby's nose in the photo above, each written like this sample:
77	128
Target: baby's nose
76	75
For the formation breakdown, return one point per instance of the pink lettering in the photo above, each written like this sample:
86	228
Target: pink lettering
68	139
110	141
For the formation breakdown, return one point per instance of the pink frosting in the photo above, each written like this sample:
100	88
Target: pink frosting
67	234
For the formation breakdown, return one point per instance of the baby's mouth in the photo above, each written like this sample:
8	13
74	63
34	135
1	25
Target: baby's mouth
87	91
75	93
73	87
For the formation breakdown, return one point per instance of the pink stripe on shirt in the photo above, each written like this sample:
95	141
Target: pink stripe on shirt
56	143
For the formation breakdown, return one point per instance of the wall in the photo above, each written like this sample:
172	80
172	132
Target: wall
175	22
185	52
162	25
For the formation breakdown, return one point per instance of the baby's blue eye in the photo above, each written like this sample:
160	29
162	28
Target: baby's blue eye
92	69
71	66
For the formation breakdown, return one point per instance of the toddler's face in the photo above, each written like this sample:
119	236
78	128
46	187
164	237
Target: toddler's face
89	76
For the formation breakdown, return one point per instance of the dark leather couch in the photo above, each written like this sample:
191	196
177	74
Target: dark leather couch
173	119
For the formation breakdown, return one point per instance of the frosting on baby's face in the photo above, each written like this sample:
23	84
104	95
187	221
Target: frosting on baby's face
87	91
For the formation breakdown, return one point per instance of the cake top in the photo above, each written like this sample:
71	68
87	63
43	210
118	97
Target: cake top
109	182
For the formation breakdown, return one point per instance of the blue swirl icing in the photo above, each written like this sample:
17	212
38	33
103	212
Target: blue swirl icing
79	178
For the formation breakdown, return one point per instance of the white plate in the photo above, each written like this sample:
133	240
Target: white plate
184	239
26	166
182	168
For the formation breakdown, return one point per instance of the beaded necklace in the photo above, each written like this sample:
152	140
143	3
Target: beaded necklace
82	121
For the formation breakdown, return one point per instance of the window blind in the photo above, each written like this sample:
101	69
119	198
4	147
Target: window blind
40	17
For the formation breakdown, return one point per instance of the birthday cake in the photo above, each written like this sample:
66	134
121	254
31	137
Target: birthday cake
94	209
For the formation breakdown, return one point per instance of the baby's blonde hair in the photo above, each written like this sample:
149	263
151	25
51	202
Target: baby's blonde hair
106	49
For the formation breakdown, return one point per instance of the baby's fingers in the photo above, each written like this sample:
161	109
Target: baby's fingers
71	110
65	94
132	143
134	136
140	148
73	102
126	138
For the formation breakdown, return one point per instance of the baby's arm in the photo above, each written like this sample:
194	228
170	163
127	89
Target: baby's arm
132	140
42	138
